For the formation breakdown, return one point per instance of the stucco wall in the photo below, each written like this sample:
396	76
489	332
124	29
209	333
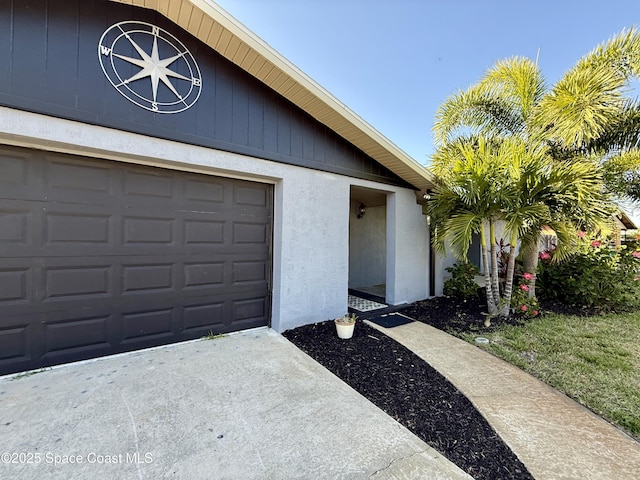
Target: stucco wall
311	213
407	249
367	246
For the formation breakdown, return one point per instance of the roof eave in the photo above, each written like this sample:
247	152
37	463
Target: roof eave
212	25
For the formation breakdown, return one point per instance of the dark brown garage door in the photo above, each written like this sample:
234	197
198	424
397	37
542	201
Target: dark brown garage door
98	257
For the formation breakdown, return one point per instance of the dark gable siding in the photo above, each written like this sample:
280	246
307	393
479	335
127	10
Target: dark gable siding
48	50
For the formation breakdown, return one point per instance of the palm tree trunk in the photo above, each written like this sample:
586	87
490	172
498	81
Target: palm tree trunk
508	287
492	305
494	262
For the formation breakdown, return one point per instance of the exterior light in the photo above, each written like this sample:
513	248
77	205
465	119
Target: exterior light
361	210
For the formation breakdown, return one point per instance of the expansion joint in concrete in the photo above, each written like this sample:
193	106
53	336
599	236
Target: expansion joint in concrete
395	460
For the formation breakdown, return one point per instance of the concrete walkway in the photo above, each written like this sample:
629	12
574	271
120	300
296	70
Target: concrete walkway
555	437
242	407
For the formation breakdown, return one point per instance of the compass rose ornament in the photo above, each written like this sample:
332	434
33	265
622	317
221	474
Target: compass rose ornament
150	67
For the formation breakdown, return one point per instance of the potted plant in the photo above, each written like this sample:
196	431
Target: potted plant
345	325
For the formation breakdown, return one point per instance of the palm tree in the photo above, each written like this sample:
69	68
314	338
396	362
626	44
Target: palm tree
585	118
466	201
481	182
589	111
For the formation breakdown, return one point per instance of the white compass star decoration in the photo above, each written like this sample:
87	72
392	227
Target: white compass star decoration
151	66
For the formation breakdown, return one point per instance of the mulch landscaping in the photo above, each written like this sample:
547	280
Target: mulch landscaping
408	389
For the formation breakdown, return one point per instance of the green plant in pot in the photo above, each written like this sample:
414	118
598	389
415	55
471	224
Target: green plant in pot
345	325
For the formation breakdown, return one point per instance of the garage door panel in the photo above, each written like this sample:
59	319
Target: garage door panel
86	181
86	282
249	312
208	192
250	195
75	228
15	167
16	225
199	320
15	285
71	337
75	283
148	325
98	257
146	230
227	315
202	275
20	342
249	272
204	231
249	232
146	278
17	179
58	178
15	341
154	184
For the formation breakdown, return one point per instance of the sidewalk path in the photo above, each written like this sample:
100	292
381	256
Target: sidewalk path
555	437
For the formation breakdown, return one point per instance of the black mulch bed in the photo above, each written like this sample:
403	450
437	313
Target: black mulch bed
408	389
453	315
458	316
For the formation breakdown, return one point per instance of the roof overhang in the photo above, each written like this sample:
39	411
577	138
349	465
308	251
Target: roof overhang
212	25
625	222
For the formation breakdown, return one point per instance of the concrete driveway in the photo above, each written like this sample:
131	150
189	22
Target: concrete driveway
245	406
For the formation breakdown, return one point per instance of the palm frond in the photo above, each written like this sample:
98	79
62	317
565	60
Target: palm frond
622	133
460	229
591	95
581	104
474	112
517	81
621	174
621	52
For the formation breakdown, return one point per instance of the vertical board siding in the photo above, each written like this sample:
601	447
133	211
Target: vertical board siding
50	53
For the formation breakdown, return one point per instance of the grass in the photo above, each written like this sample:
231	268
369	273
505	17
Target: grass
214	336
29	373
594	360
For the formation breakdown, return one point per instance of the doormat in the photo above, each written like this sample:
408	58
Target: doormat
364	305
390	320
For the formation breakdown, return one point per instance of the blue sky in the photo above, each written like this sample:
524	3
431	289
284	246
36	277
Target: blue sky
393	62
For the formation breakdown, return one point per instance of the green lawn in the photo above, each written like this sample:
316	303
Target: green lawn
594	360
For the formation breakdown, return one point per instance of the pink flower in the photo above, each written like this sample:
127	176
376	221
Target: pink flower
534	312
581	234
545	256
636	254
596	243
523	308
527	276
635	279
524	287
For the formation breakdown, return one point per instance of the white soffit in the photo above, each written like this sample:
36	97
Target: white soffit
212	25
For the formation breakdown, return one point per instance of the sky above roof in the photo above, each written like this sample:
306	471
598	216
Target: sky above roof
393	62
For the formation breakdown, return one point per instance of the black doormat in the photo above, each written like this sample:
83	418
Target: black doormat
390	320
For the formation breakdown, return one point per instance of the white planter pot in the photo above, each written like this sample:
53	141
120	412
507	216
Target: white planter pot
345	330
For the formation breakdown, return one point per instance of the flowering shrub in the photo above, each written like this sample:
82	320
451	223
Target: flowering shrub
597	275
520	301
462	283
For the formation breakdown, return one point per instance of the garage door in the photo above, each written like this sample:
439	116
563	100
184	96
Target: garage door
99	257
